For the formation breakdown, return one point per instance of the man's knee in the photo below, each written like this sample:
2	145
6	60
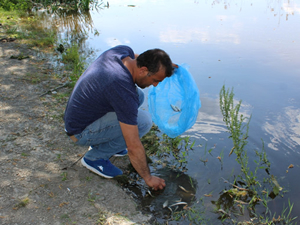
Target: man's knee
144	122
149	121
141	96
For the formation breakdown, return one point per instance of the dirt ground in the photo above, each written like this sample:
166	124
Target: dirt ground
34	187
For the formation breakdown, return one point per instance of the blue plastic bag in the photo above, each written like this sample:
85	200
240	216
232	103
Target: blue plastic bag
174	103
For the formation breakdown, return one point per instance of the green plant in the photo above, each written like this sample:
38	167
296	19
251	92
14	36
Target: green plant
172	151
65	216
193	215
91	197
22	203
74	61
89	178
27	29
58	157
10	5
24	154
177	146
249	191
236	124
64	176
101	218
74	5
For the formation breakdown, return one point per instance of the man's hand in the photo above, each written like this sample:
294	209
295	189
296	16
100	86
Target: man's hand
137	156
155	182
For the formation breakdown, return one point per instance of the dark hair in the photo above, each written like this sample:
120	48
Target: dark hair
155	58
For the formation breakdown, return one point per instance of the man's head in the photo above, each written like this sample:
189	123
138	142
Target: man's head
157	65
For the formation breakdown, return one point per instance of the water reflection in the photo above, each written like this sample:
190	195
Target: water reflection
284	130
287	9
71	25
210	119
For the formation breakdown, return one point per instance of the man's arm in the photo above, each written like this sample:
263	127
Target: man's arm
137	156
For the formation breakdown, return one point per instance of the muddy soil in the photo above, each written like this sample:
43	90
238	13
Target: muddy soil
35	188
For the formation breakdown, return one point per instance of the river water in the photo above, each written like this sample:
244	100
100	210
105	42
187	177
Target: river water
252	46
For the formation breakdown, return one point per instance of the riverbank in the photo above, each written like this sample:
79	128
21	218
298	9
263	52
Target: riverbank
40	181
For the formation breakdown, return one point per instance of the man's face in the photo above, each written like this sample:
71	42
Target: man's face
151	79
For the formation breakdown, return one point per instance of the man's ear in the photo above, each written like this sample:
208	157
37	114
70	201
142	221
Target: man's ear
144	70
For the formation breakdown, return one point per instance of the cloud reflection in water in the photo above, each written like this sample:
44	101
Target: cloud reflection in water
210	120
285	130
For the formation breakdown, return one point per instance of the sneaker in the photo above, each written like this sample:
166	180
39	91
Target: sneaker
121	153
101	167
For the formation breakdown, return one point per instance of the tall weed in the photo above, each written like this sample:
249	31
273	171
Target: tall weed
247	188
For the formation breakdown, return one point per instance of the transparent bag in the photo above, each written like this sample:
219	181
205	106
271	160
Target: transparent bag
174	103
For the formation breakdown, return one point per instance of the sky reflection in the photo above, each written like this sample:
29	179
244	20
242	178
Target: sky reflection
285	130
210	120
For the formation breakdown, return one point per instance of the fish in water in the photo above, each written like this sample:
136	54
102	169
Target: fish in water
149	192
165	204
175	204
175	108
223	212
178	203
182	188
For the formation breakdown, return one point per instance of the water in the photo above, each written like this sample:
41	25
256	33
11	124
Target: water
252	46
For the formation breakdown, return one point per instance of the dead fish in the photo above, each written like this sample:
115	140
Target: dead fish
149	192
165	204
241	202
182	188
276	183
178	203
223	212
175	108
208	195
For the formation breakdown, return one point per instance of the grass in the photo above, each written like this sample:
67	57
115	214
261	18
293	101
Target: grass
88	178
24	154
101	218
92	197
64	176
22	203
172	151
73	61
27	29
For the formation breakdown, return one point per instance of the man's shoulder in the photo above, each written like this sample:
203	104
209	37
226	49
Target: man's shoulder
122	49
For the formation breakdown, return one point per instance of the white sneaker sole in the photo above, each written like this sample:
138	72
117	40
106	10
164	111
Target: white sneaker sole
116	155
93	169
